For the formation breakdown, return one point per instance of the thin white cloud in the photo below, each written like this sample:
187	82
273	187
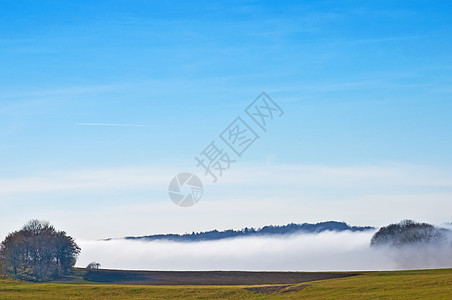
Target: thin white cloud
86	180
113	124
122	125
356	176
67	91
284	177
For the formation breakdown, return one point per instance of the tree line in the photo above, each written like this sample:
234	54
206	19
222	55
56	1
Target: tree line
264	231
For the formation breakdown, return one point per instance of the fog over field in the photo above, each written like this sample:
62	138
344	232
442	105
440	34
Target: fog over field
326	251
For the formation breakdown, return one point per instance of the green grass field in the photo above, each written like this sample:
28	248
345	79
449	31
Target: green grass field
425	284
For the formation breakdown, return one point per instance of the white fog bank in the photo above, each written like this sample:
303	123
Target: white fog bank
327	251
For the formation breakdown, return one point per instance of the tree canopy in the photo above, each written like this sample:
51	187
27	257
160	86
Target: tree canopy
38	252
407	233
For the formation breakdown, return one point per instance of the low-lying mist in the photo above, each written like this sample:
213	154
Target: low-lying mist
326	251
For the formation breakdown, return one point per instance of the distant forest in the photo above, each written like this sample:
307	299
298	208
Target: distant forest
270	230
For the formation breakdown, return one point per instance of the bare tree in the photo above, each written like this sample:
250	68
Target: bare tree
409	232
38	252
93	266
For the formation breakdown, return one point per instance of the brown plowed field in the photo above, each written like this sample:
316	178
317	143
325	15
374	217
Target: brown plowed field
208	277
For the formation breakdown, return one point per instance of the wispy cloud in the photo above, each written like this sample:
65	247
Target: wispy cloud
86	180
66	91
114	125
382	39
278	176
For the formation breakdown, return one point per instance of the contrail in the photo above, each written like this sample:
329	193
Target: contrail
114	124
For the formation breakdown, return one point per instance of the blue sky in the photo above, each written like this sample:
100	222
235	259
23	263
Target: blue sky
365	86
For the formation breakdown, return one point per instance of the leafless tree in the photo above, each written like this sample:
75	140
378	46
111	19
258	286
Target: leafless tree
93	266
38	252
407	233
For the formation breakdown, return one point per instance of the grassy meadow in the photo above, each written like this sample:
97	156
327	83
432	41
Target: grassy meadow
420	284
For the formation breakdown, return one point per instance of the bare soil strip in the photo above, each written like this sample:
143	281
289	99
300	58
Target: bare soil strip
209	277
272	289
